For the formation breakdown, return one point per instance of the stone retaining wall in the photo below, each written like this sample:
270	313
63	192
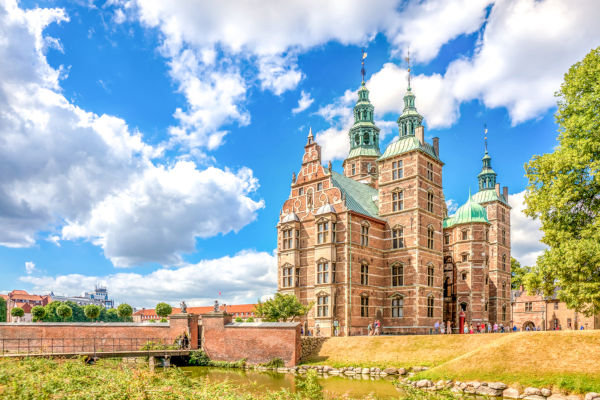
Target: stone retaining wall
311	346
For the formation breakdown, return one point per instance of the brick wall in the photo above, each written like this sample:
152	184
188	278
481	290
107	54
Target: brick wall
256	342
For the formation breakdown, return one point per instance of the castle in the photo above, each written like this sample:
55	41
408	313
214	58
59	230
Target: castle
376	243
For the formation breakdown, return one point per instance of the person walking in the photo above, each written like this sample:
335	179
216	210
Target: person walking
377	327
442	329
370	329
436	326
317	329
495	327
448	327
466	329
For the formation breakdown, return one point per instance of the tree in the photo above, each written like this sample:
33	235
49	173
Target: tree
564	193
17	312
38	313
110	315
163	310
124	311
3	310
281	308
92	311
239	319
64	312
249	319
517	273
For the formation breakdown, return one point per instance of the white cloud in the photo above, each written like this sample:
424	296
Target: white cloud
304	102
452	206
88	175
29	267
242	278
525	232
278	74
159	216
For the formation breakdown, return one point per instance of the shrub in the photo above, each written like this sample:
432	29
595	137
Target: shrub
17	312
124	311
163	310
164	320
158	346
152	321
309	386
64	311
199	357
239	319
38	313
92	311
250	319
274	363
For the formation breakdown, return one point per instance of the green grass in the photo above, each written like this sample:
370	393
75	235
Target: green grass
567	360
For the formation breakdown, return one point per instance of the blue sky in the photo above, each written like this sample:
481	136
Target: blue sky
149	145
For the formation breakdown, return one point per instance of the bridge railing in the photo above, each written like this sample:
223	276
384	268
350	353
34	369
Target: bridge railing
83	345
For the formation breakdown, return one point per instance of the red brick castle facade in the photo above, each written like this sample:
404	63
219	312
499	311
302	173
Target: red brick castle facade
376	242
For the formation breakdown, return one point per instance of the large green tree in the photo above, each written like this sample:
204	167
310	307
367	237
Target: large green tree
518	273
38	313
64	312
281	307
163	310
92	311
3	309
17	312
124	311
564	193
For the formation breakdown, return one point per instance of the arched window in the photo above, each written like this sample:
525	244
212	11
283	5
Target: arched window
364	274
364	306
398	275
430	272
364	234
398	307
397	237
322	306
430	302
397	200
430	201
366	138
430	237
503	262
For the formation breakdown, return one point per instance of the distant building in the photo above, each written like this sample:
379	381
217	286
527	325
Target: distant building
24	300
99	297
547	313
243	311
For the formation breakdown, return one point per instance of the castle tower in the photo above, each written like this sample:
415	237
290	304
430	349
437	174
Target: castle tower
360	164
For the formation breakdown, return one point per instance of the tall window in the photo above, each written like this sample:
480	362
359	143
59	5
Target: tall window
430	306
503	262
503	288
353	169
397	307
364	306
320	186
430	237
297	276
287	239
502	216
528	306
322	306
504	312
364	235
333	270
398	201
398	275
287	276
397	238
487	235
430	271
464	257
322	230
364	274
503	236
465	234
429	201
429	171
323	272
333	235
300	191
487	279
297	238
446	239
397	170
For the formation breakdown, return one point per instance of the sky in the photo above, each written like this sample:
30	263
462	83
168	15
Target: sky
148	145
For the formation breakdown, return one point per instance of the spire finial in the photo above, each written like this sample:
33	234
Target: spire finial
485	135
362	69
408	65
469	194
310	135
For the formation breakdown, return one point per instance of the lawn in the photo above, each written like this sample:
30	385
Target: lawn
569	360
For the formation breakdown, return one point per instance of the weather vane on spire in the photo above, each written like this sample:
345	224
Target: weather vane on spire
408	65
485	135
362	69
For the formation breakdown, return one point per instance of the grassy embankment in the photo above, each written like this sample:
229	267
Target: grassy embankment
567	360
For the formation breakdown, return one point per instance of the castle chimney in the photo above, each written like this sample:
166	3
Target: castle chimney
505	192
420	134
436	146
498	189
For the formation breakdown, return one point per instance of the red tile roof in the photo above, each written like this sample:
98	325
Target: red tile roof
231	309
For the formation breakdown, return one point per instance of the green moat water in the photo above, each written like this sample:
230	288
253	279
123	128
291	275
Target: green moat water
333	386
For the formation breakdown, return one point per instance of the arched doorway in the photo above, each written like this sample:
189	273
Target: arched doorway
528	326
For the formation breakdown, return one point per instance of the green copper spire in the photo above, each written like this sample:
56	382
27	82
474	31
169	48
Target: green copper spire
487	176
410	118
364	135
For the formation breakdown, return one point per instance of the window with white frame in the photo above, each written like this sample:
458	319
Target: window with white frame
397	307
353	169
320	186
287	239
397	170
287	272
323	272
322	306
465	234
397	237
397	200
322	231
398	275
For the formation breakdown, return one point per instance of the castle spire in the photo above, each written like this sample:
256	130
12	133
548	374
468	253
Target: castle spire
487	176
362	69
310	135
410	118
408	66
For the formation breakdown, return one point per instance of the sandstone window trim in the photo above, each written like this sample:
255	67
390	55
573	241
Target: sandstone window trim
322	305
430	305
398	237
397	200
364	306
287	238
447	239
430	201
364	234
353	169
397	274
319	186
322	230
430	237
430	274
322	271
364	273
397	170
287	275
464	234
430	170
397	306
464	257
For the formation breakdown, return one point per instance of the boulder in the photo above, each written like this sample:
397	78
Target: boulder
424	383
474	384
557	396
574	397
497	385
390	371
488	391
349	372
592	396
358	370
510	393
365	371
401	371
547	392
534	397
282	370
531	391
